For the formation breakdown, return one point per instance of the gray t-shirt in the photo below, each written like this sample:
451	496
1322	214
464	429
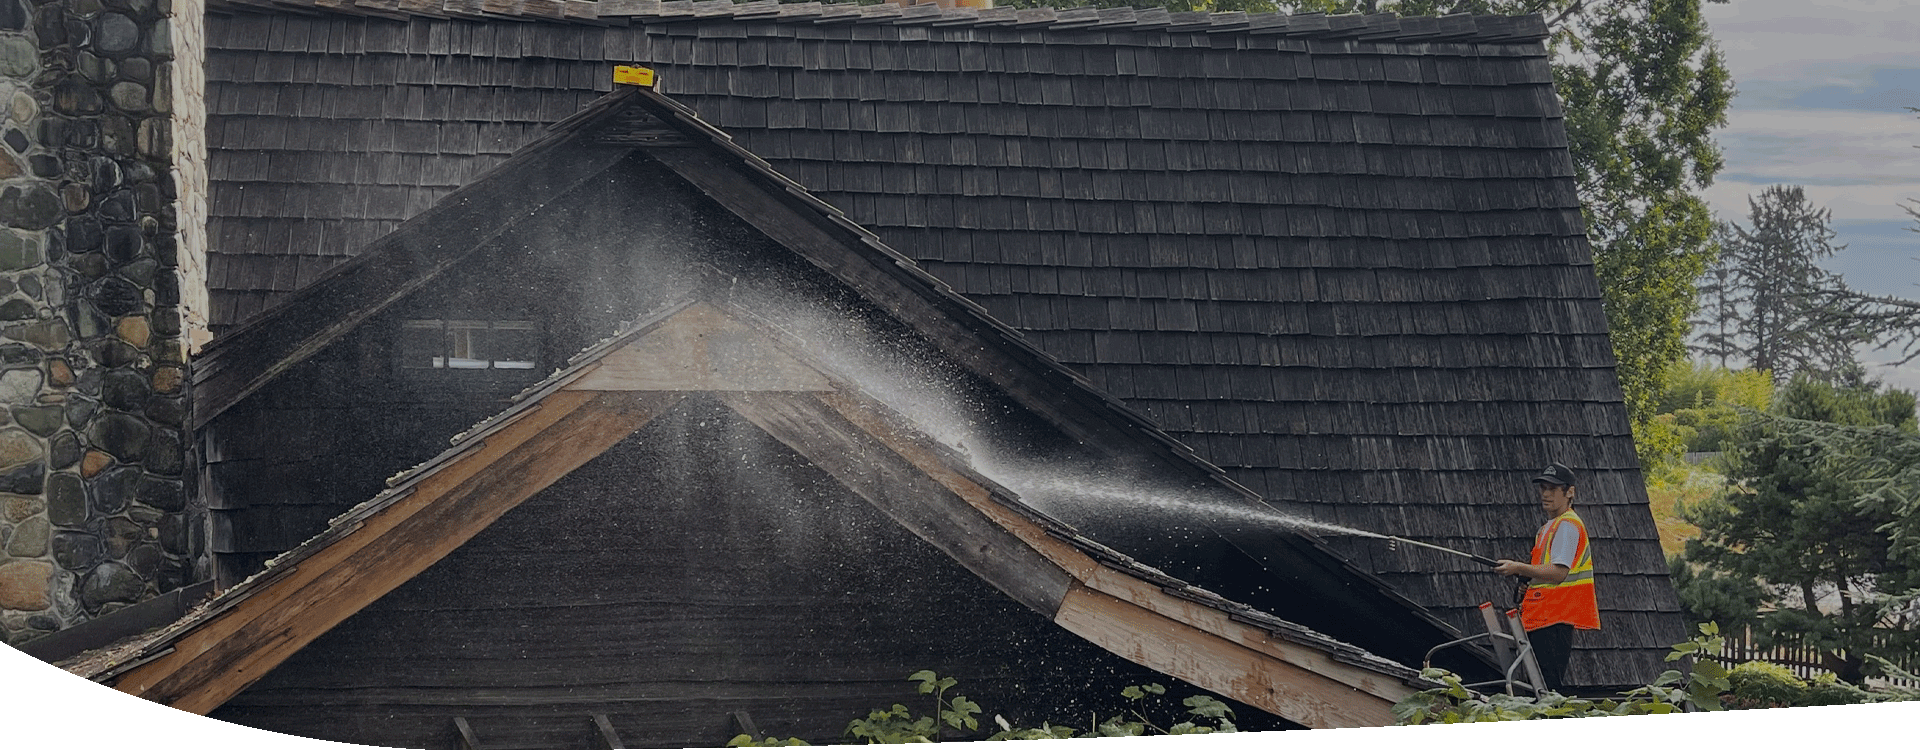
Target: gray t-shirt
1566	544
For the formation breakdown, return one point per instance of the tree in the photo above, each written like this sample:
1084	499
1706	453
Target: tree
1802	524
1703	403
1768	301
1888	322
1644	87
1707	595
1719	321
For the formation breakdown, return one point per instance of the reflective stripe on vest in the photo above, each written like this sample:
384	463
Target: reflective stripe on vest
1571	600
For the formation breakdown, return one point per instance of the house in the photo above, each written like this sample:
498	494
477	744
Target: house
1340	258
753	506
1215	263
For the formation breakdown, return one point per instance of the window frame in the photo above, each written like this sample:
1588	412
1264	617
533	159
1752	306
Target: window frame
411	348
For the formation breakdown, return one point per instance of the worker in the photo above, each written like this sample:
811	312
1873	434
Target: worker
1559	594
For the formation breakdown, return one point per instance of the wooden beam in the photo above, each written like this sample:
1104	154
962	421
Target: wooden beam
834	249
1091	575
463	736
866	465
1213	663
743	724
700	349
920	451
1148	596
216	660
604	737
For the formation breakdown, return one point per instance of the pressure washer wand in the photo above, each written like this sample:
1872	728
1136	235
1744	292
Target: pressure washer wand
1470	556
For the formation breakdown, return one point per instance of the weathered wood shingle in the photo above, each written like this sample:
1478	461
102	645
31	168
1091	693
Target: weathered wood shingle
1341	257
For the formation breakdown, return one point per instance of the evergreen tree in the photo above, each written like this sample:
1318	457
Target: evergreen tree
1798	519
1718	326
1767	301
1886	321
1707	595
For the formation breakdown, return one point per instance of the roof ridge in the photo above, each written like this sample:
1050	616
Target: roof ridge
1373	27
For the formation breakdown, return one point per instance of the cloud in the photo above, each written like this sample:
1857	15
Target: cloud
1861	165
1789	40
1877	89
1822	91
1856	202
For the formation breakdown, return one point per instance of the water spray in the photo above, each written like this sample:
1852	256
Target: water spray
1051	488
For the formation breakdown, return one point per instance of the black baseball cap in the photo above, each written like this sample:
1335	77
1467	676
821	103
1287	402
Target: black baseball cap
1557	474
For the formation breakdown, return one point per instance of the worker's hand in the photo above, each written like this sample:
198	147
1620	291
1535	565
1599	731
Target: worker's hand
1510	568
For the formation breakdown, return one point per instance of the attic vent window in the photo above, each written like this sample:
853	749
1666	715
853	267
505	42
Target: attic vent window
468	344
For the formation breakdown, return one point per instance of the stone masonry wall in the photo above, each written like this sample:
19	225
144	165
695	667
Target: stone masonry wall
94	509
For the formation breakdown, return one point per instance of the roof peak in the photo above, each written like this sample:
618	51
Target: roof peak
1377	26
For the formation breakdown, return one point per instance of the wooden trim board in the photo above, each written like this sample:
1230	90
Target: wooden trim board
1212	662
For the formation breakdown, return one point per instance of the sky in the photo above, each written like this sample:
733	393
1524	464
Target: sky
1823	87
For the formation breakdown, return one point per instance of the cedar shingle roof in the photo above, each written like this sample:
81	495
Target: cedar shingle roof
1340	257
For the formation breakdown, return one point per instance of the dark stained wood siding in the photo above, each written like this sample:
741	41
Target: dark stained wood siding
697	568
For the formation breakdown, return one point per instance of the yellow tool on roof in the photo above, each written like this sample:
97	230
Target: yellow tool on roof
632	74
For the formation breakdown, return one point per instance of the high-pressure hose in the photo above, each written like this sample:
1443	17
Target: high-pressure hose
1470	556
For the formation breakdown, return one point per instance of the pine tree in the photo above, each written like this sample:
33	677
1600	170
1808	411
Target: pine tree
1804	515
1767	301
1887	322
1718	324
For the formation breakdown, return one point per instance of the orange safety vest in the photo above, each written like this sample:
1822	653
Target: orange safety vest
1570	601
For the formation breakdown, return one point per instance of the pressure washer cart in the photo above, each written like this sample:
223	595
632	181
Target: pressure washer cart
1511	651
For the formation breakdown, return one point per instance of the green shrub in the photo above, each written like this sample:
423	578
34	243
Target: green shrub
1759	684
1827	690
1700	404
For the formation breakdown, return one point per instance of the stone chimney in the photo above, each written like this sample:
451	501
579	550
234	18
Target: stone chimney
102	139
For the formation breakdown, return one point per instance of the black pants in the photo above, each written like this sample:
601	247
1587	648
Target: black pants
1552	646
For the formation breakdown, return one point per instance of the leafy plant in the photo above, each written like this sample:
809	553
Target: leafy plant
1827	690
897	724
1209	714
954	713
1672	692
1705	680
1758	684
893	726
1046	731
747	740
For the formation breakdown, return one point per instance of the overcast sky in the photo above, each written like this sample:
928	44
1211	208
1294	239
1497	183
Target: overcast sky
1823	91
